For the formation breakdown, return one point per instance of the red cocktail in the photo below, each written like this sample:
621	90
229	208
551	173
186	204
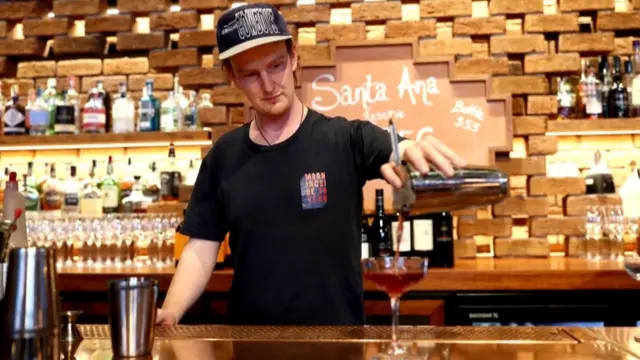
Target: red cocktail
394	275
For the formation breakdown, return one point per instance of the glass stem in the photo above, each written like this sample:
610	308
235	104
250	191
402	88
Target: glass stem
395	314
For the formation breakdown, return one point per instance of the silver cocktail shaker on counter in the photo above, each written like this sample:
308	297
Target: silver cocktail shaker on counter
471	186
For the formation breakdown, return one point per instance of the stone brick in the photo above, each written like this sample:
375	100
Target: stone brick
174	58
582	5
377	10
329	32
216	115
596	42
7	67
526	248
81	67
479	26
160	81
515	6
195	38
529	125
525	84
173	20
33	69
46	26
552	63
18	10
227	95
403	29
518	106
542	145
146	6
22	47
521	205
623	46
577	205
78	7
541	185
455	46
542	104
445	8
517	44
126	65
618	21
306	14
489	227
313	54
110	83
236	114
133	41
108	23
539	23
573	226
204	4
482	66
534	165
3	28
199	76
67	45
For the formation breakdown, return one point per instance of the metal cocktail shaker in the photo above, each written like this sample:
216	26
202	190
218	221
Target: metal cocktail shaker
472	186
434	192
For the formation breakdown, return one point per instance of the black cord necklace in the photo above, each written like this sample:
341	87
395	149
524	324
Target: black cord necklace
255	118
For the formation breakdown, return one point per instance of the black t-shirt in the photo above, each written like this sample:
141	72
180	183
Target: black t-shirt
293	214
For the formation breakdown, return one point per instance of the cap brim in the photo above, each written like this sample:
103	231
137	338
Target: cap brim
251	44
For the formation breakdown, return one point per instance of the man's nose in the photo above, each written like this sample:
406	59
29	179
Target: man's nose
266	82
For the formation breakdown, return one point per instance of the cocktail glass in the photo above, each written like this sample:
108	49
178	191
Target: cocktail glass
394	276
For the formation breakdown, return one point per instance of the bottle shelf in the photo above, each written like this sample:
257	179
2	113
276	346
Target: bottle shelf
585	127
108	140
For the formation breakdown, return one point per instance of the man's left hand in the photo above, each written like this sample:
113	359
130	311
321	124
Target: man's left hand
425	155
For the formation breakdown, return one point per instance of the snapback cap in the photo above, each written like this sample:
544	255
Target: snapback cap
247	26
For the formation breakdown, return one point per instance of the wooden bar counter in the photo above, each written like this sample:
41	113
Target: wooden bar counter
469	343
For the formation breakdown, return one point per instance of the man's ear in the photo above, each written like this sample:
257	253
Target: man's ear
294	57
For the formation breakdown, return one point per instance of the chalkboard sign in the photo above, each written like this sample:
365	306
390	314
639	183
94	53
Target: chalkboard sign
379	80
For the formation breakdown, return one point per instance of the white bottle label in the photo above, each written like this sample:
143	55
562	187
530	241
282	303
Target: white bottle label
635	91
405	242
110	196
423	234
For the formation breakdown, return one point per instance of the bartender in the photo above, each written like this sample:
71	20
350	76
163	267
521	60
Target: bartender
287	188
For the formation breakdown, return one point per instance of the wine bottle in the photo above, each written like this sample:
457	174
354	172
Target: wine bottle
364	239
433	238
380	236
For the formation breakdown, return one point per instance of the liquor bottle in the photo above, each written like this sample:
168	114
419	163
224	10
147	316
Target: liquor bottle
65	120
170	178
71	193
151	183
605	84
170	113
635	84
149	109
127	181
73	98
51	98
592	94
43	180
618	96
110	190
94	114
31	180
106	103
380	236
91	198
433	238
39	115
124	112
31	196
364	238
192	174
136	202
567	94
206	101
52	195
191	120
14	115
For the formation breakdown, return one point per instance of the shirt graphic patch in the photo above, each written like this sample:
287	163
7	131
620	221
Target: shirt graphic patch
313	188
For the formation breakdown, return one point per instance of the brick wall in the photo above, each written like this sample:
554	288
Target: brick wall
524	44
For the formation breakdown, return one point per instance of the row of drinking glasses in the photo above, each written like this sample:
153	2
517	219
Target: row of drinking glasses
131	240
605	228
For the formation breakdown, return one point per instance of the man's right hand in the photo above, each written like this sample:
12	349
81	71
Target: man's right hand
165	317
